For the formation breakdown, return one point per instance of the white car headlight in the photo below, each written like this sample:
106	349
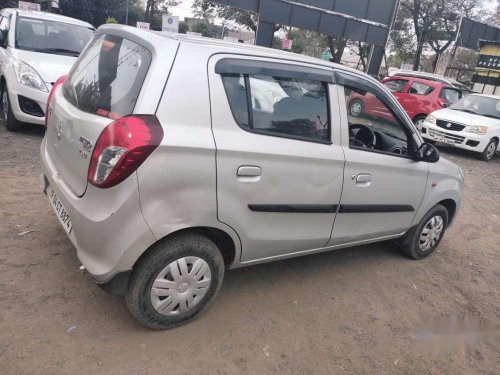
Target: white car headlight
430	119
477	129
28	76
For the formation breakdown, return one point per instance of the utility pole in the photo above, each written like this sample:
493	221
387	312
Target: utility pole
126	14
49	6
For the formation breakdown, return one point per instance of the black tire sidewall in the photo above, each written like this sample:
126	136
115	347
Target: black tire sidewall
413	249
143	276
12	123
483	155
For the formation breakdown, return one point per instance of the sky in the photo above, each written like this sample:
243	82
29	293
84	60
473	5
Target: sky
184	8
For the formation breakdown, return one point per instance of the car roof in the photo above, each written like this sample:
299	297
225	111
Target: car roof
428	82
237	48
48	16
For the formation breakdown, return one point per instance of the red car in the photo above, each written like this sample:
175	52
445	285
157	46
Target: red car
419	97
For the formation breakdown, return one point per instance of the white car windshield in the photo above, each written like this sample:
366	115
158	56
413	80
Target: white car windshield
479	105
38	35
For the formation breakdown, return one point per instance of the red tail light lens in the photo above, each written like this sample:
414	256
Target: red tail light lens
48	108
122	147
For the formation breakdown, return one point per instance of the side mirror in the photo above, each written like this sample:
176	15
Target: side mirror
428	153
3	38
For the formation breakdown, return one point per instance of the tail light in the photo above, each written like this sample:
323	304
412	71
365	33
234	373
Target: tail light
48	108
122	147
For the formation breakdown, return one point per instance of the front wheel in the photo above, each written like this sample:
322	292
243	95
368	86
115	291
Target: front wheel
419	121
428	234
489	151
11	123
175	281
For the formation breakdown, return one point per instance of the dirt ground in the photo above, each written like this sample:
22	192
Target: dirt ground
352	311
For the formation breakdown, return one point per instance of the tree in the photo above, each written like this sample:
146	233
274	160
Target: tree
233	18
153	6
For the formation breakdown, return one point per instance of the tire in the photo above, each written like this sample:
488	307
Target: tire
418	120
413	246
489	150
168	256
356	108
9	120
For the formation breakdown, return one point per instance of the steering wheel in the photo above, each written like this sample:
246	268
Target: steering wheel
365	136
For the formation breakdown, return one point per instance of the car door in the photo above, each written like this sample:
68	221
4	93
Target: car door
279	160
383	185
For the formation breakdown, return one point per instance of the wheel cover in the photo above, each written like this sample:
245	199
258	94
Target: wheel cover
355	109
180	286
490	151
5	106
419	123
431	233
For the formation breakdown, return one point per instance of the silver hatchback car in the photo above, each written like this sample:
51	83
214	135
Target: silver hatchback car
169	158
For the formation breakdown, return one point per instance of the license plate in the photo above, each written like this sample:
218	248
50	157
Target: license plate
60	211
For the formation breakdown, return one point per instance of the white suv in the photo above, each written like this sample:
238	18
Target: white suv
473	123
169	158
36	48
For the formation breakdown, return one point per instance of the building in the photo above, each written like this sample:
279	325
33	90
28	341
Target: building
486	77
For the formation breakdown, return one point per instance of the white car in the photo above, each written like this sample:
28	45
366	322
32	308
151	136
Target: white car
472	123
36	48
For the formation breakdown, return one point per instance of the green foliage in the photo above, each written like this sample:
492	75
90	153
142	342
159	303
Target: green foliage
111	20
183	27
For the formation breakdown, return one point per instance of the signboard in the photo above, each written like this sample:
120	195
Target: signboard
24	5
325	56
169	24
286	44
471	32
143	25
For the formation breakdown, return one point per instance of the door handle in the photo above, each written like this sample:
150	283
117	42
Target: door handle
249	171
362	179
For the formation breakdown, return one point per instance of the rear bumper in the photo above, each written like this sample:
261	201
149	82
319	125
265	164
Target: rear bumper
461	139
40	97
108	229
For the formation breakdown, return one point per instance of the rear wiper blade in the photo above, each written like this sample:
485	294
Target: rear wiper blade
58	50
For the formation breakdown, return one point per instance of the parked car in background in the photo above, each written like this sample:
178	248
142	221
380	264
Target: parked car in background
472	124
36	48
431	77
201	154
419	97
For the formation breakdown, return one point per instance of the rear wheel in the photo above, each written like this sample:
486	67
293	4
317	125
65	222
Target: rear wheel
175	281
9	120
428	234
489	151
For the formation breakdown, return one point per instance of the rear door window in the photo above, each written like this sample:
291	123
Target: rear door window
396	85
285	107
420	89
108	77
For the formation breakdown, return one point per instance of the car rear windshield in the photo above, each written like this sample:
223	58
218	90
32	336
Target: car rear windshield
60	38
107	78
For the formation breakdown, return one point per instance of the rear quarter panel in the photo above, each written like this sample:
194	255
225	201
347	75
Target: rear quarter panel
177	183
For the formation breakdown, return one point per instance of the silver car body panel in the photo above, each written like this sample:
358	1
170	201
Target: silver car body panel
191	180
